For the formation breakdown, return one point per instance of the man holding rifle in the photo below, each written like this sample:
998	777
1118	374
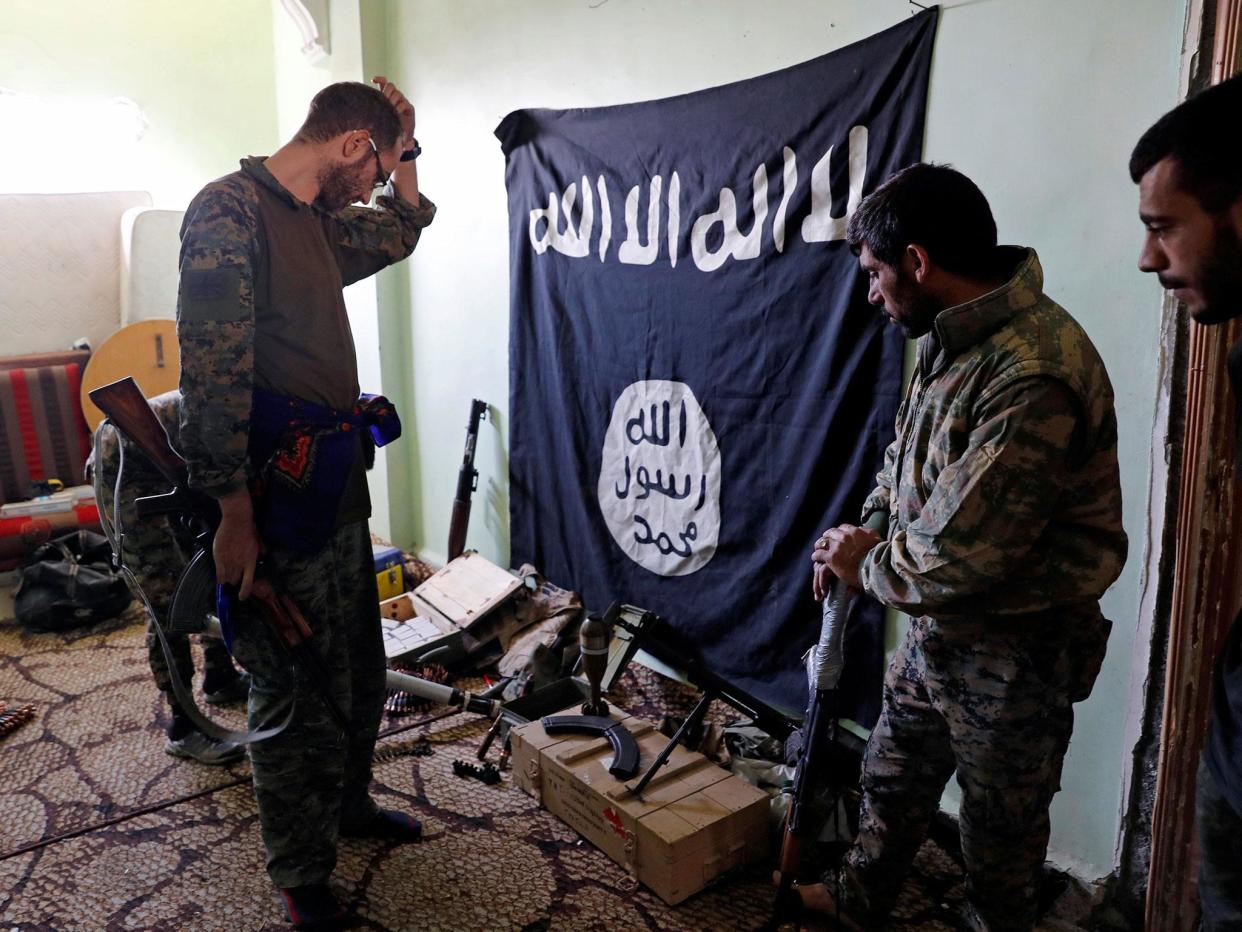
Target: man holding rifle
274	430
996	525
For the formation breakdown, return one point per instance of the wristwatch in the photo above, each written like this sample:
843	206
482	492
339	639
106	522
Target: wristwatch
415	150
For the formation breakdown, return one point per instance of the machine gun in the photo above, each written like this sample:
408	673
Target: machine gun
646	631
467	482
639	629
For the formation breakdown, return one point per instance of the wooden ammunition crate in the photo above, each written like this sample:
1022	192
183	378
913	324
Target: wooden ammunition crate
441	614
694	821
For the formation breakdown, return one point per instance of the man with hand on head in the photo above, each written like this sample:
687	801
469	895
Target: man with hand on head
996	525
1188	167
273	428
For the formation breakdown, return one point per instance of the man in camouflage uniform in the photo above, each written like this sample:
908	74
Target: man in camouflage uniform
996	525
265	254
156	552
1188	167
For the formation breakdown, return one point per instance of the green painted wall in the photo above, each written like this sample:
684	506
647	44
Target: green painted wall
393	314
1039	102
201	72
353	34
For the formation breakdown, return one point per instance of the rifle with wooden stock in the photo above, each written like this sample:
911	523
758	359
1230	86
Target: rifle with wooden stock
124	405
467	482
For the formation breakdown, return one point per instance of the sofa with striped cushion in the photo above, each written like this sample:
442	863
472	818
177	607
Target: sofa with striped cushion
42	432
73	266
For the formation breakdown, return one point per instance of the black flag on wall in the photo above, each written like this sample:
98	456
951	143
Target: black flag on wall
698	385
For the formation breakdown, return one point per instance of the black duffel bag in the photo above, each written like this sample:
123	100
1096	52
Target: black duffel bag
69	583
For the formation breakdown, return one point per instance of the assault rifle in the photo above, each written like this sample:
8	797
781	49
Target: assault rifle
824	665
122	401
467	482
129	412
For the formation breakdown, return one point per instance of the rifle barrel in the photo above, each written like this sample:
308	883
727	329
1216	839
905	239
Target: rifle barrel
467	482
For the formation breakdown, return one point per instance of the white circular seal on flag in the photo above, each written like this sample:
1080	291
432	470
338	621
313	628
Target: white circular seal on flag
659	481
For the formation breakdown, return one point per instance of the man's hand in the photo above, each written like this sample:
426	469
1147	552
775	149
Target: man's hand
405	109
821	576
236	546
405	178
839	552
282	613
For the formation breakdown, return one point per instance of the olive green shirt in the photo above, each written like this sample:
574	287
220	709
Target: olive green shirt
260	305
1002	491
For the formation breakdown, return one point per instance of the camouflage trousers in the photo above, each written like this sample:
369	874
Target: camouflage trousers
310	779
991	702
1220	843
217	664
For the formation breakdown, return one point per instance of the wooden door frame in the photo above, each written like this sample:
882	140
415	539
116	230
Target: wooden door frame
1206	586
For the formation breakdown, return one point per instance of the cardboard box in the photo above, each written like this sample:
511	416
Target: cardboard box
694	821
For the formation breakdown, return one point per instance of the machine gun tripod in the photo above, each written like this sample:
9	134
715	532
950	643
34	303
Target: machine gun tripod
637	629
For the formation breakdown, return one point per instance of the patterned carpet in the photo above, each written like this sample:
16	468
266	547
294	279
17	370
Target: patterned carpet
99	829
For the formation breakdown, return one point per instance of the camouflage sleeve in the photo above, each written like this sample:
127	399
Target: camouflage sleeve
988	507
167	408
373	238
875	508
151	548
215	327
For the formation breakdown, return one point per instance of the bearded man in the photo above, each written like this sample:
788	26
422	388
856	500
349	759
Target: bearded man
1188	167
273	428
995	525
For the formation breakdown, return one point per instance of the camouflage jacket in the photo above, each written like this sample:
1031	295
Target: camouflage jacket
1002	488
239	322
